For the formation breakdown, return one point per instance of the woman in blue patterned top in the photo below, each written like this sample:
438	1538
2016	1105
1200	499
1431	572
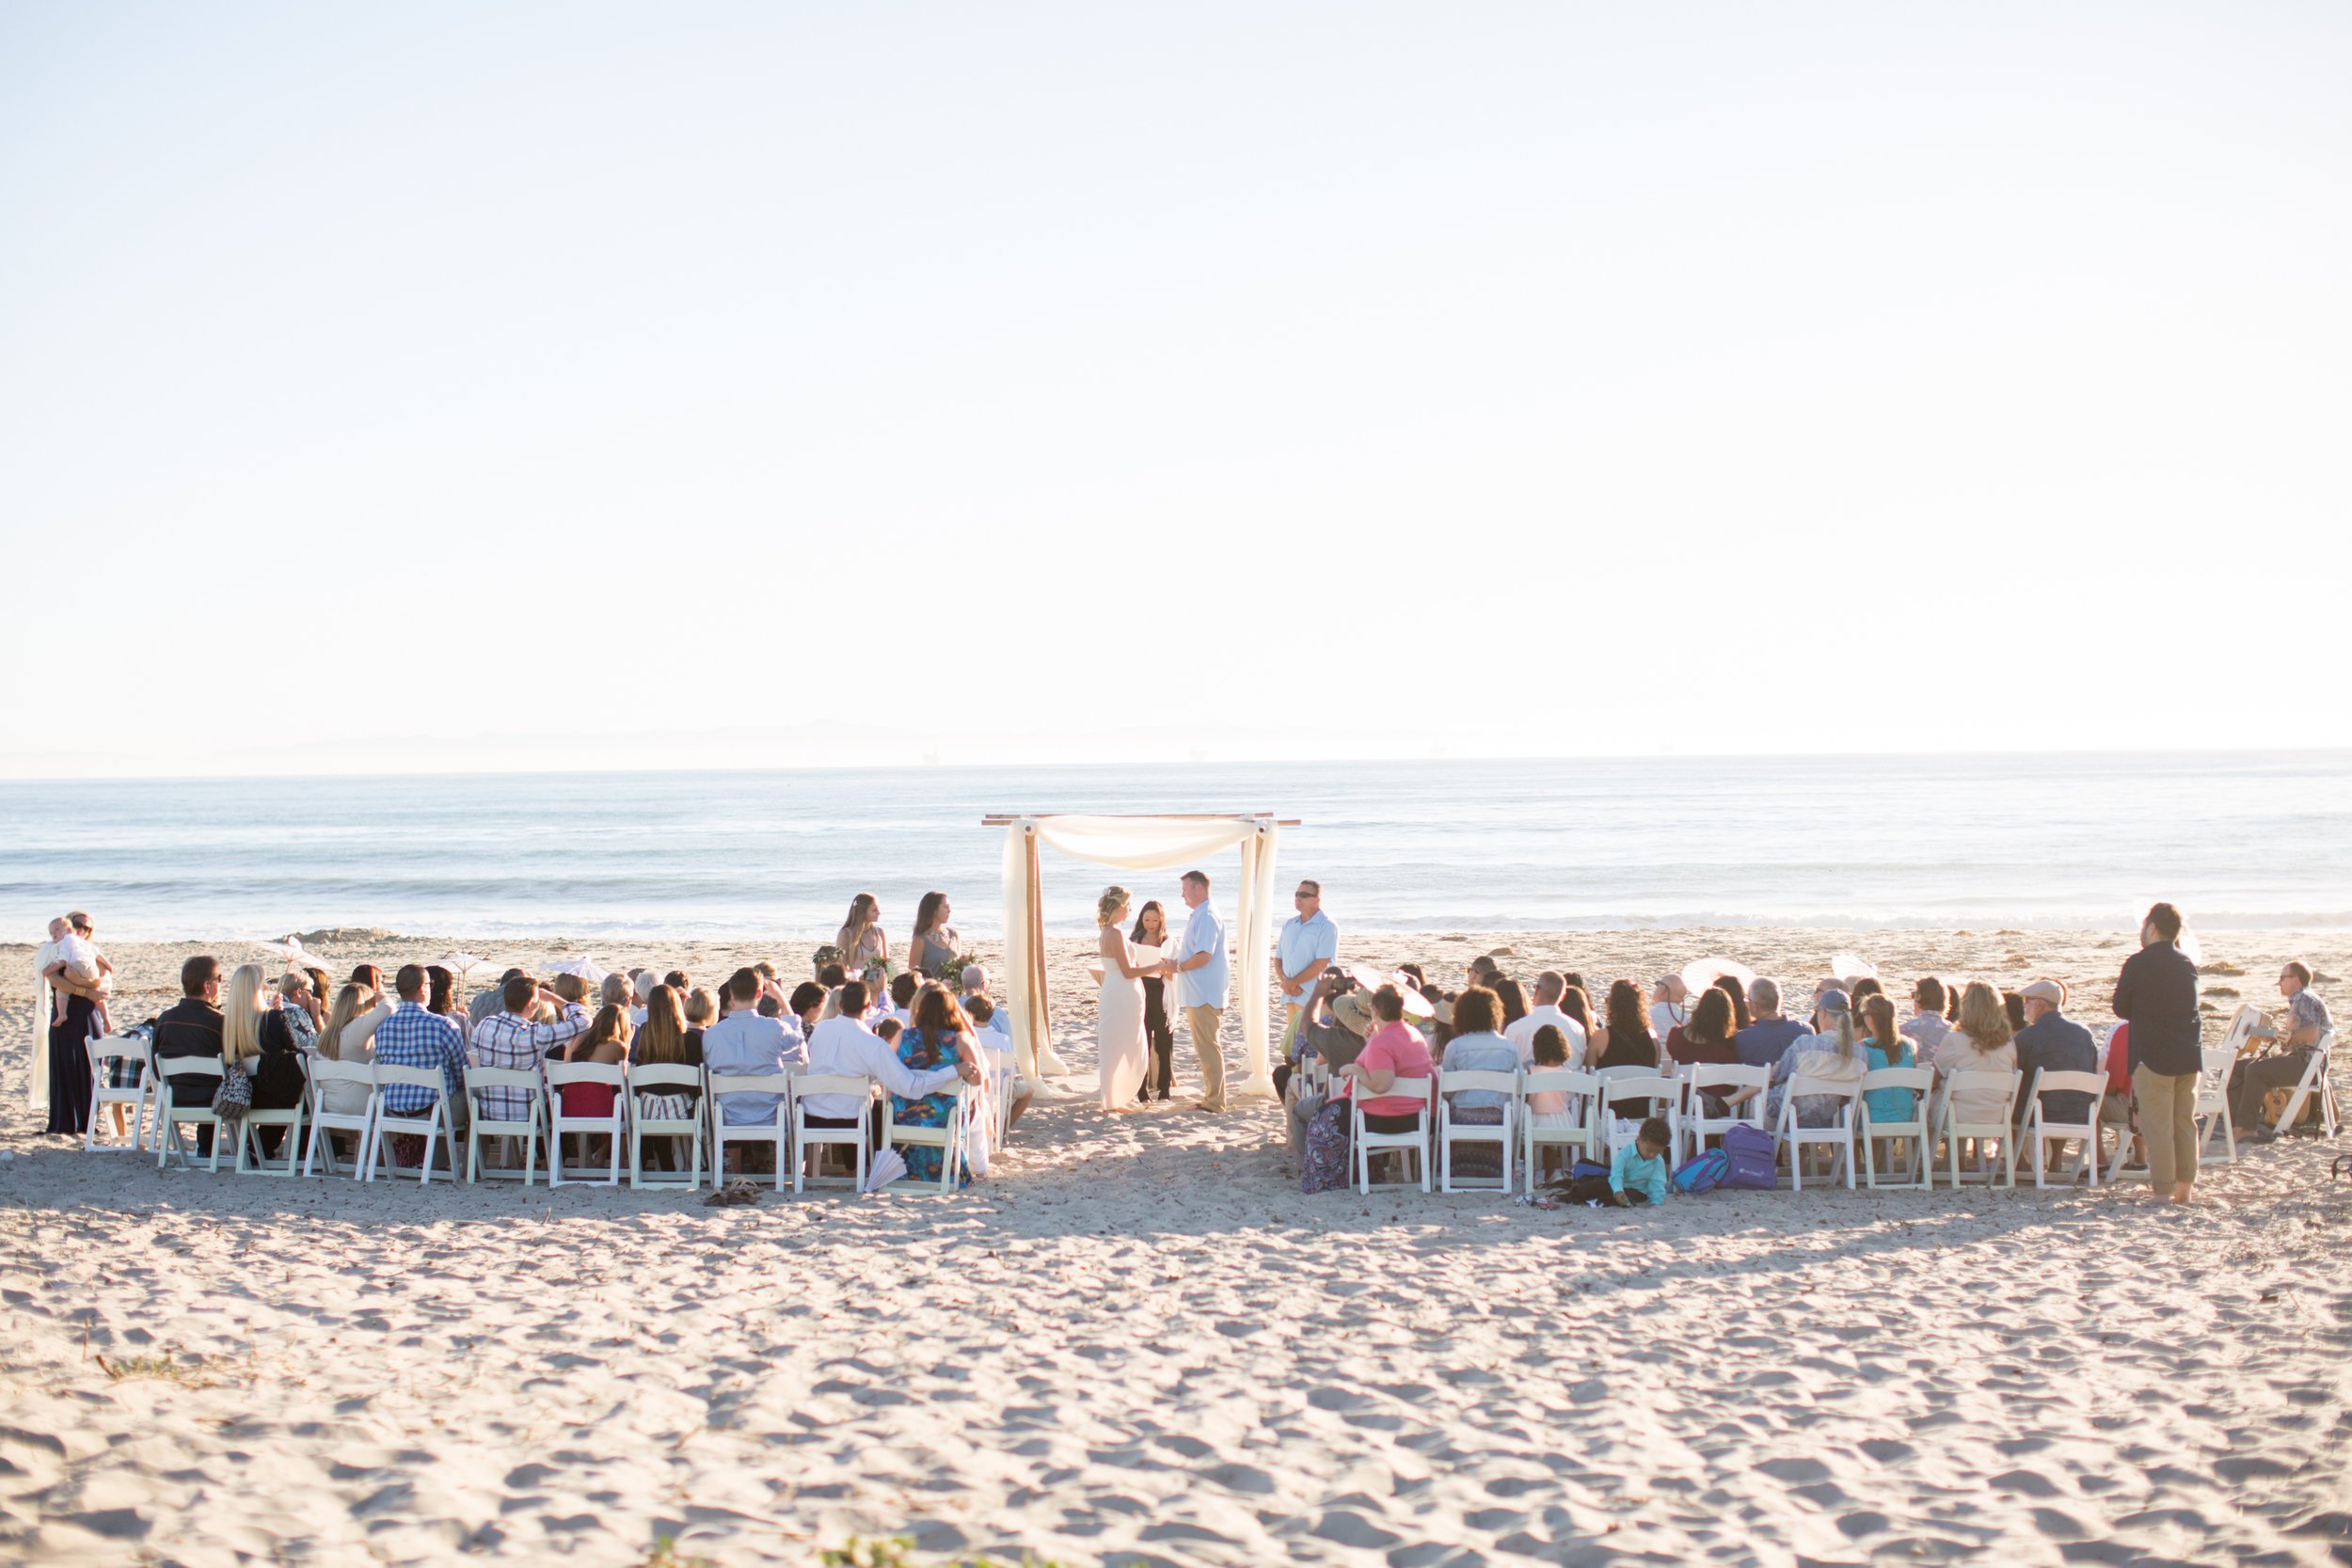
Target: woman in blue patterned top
939	1036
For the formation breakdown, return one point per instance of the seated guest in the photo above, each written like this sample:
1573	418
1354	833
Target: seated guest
490	999
2051	1042
1482	972
1884	1047
994	1043
743	1044
571	990
1982	1042
349	1036
1831	1051
1927	1026
1549	1053
1729	985
509	1038
1333	1019
1478	1046
1395	1050
1629	1043
2293	1040
302	1008
902	990
844	1046
416	1037
1550	985
192	1027
1512	999
664	1042
1577	1008
1669	1006
613	992
256	1037
1708	1036
939	1036
1761	1043
441	996
2014	1006
807	1005
2117	1109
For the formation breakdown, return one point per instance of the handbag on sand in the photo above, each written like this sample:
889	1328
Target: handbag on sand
1330	1138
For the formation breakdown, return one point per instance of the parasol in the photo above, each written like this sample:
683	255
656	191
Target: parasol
1699	974
584	966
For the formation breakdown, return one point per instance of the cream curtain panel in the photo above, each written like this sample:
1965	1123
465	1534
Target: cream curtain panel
1135	844
37	1081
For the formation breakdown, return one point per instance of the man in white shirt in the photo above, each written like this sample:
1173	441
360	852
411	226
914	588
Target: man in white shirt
844	1045
743	1044
1549	987
1203	984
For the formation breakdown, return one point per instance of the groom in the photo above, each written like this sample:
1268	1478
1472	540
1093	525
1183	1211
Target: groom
1202	980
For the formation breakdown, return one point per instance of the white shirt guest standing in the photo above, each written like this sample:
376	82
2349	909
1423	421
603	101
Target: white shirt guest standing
743	1044
842	1045
1307	944
1549	987
1203	985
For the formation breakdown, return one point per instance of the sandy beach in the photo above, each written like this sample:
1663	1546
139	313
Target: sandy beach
1137	1342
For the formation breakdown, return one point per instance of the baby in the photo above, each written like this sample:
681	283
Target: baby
84	967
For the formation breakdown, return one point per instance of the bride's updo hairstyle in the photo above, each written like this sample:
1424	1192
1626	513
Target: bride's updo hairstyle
1107	907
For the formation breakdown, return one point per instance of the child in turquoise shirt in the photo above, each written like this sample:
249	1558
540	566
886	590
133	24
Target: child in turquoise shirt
1637	1174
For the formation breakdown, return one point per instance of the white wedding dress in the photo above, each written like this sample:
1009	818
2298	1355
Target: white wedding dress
1125	1053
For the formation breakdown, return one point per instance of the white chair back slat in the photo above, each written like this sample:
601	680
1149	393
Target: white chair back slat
170	1117
531	1129
1574	1135
1794	1137
1956	1127
1918	1082
665	1081
104	1055
1414	1143
809	1141
1450	1132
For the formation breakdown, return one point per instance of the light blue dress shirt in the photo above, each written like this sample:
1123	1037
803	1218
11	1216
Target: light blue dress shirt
1210	985
1301	942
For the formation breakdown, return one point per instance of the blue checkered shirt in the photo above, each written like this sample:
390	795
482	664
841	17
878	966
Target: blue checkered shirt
413	1037
505	1040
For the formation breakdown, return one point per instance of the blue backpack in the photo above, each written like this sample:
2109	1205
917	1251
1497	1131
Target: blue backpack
1748	1159
1703	1172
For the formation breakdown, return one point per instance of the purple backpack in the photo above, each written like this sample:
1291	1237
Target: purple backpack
1748	1159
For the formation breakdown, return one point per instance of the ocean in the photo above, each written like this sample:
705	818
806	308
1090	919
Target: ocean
1959	842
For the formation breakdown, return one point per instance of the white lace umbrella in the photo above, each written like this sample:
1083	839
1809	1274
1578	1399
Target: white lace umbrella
1699	974
1850	967
584	966
461	963
292	952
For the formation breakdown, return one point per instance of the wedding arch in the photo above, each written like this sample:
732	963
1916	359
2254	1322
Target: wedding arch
1135	844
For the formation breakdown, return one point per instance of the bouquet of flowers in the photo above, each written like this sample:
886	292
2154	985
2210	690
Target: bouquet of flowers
952	971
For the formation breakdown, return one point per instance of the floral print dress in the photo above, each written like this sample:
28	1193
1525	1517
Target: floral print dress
923	1050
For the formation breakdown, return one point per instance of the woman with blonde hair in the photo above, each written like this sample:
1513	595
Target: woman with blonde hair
255	1036
349	1036
862	939
1124	1051
1981	1041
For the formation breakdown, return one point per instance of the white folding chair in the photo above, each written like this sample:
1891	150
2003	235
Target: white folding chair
1693	1126
2213	1107
663	1080
289	1117
613	1125
776	1130
1577	1137
430	1122
2039	1129
1839	1135
103	1055
1919	1083
807	1140
1665	1097
169	1117
530	1127
1451	1131
948	1139
325	1071
1368	1143
2315	1081
1955	1127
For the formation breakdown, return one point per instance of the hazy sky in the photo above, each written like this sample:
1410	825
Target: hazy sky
642	384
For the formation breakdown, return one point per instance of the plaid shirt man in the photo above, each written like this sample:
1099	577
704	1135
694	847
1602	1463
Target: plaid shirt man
505	1040
413	1037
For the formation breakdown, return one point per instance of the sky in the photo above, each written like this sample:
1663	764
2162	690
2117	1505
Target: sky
442	386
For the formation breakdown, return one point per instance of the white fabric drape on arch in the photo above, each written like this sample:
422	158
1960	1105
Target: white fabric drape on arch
37	1080
1135	844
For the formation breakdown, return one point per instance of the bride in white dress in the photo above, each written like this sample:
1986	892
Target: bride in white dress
1125	1055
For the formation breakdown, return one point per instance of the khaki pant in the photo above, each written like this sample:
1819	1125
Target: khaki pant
1203	1021
2168	1124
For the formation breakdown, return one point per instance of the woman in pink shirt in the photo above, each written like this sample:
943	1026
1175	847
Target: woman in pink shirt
1393	1050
